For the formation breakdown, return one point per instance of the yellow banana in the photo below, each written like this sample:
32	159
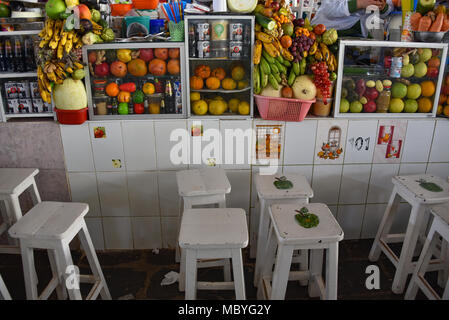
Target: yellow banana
68	46
318	55
78	65
43	43
64	38
314	48
286	54
51	76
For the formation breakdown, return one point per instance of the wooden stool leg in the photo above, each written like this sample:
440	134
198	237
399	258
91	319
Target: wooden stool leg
71	282
55	270
35	193
227	270
267	268
222	203
239	279
332	271
446	292
91	255
408	247
178	251
191	270
443	275
14	205
29	272
316	269
261	241
253	220
304	265
385	224
182	272
4	293
281	272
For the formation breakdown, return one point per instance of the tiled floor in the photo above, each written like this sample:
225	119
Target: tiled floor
139	273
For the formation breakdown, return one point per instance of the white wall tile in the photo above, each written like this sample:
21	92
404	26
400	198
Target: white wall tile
83	188
146	232
163	130
300	142
438	169
139	145
230	129
211	130
113	191
77	147
306	171
169	232
117	233
360	141
168	193
354	183
322	136
326	183
412	168
371	220
350	219
240	189
95	227
418	140
440	152
380	186
143	193
109	148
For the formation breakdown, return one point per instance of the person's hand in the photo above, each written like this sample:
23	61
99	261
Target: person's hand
363	4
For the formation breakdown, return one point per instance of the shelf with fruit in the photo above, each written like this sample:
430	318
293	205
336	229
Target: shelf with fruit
443	102
288	49
406	88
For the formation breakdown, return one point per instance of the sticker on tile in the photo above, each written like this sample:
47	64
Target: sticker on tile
196	129
100	132
389	142
330	142
116	163
268	142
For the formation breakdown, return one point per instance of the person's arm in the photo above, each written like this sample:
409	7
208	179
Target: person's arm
388	8
337	8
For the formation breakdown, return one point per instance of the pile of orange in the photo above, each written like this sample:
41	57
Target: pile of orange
216	78
443	104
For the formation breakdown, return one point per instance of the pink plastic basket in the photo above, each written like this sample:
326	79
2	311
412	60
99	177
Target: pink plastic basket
282	109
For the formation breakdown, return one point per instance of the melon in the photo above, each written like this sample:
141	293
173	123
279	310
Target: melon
70	95
242	6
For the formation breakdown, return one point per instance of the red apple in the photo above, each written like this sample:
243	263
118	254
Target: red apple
146	54
370	106
139	108
102	69
371	93
432	72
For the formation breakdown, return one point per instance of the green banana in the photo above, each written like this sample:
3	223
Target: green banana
291	78
274	69
296	68
302	66
263	78
264	65
267	57
273	82
256	77
281	67
277	76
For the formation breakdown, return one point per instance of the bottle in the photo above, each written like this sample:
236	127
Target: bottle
2	59
130	107
114	106
18	62
383	100
109	106
192	42
28	58
9	59
169	98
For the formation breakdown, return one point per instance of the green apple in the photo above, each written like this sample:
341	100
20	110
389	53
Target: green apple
122	108
420	69
398	90
355	107
413	91
396	105
407	71
411	106
344	106
425	54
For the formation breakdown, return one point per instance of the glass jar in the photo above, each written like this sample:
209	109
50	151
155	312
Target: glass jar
383	100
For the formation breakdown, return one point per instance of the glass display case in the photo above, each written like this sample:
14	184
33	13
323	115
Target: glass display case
135	80
389	79
219	50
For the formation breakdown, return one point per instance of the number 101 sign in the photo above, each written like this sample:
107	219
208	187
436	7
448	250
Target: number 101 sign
359	144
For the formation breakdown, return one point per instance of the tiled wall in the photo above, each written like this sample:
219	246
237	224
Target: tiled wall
136	206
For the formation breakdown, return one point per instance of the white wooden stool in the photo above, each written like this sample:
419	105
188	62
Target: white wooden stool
212	233
409	189
268	194
52	226
287	235
4	294
13	182
439	227
205	186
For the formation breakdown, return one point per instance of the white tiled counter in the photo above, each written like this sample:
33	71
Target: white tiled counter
134	205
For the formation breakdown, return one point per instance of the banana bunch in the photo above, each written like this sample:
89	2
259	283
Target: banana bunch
321	53
96	28
55	37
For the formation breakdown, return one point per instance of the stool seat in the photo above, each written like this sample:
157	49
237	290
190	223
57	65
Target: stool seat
204	181
50	220
14	179
289	231
267	190
213	228
441	210
411	184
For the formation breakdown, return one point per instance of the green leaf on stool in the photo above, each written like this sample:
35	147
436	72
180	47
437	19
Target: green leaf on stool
283	183
429	186
307	219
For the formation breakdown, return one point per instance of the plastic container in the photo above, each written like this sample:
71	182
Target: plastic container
71	116
143	20
320	109
157	26
120	9
282	109
145	4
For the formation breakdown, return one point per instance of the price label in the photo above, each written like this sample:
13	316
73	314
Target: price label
360	143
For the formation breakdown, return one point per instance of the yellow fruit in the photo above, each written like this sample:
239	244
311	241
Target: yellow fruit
195	96
228	84
424	105
217	107
244	108
427	88
199	107
148	88
154	108
218	98
242	84
238	73
234	104
446	111
440	109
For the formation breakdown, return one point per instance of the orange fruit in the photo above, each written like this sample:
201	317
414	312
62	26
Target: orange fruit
238	73
112	89
424	105
434	62
286	41
443	99
219	73
427	88
137	67
148	88
212	83
440	109
446	111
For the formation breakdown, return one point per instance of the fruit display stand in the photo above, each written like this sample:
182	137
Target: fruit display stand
367	68
135	80
220	67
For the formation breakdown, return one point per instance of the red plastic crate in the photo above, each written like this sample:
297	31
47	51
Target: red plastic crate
282	109
71	116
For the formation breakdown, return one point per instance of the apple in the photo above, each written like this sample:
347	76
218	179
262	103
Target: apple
146	54
371	93
370	106
355	107
344	106
396	105
413	91
432	72
139	108
102	69
411	106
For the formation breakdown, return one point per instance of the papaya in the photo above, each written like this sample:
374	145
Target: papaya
414	20
445	26
424	23
438	23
